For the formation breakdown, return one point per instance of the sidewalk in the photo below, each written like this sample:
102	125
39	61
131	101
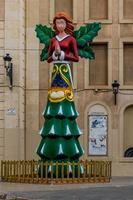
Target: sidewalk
20	187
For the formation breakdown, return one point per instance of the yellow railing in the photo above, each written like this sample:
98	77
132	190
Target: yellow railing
51	172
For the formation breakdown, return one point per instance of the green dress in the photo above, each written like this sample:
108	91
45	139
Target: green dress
60	131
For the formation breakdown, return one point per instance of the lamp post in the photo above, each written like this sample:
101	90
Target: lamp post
9	68
115	87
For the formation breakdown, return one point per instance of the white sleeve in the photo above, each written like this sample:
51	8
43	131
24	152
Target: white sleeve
62	55
54	57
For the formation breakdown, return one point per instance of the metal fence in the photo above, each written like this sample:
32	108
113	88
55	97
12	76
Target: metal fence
55	172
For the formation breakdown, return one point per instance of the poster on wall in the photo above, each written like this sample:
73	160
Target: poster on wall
98	135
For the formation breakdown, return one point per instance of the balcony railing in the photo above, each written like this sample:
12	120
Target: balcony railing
55	172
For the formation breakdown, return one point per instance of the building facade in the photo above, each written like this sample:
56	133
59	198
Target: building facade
107	128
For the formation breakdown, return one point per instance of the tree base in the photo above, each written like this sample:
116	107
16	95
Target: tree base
60	170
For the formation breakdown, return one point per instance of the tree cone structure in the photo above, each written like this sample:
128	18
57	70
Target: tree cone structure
60	134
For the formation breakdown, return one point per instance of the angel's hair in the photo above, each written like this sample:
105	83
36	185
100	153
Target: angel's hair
69	24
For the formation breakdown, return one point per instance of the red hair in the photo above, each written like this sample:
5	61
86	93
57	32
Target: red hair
69	24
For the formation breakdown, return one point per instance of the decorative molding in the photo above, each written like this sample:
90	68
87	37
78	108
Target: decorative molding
104	21
74	72
86	65
51	10
75	11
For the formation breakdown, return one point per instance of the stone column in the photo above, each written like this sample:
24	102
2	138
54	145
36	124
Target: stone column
15	98
2	75
32	79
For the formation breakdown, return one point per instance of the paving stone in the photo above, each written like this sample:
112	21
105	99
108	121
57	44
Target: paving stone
3	196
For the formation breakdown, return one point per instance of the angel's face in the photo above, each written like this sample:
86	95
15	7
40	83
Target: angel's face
60	24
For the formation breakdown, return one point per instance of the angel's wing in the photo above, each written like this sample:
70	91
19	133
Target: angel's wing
44	34
83	36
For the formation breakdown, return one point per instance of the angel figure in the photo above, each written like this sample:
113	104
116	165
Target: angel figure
63	45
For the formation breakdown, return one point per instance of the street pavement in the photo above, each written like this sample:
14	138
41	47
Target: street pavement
120	188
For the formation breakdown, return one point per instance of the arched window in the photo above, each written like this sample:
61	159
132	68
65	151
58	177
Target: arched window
128	132
97	131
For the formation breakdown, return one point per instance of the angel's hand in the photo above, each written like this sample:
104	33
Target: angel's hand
57	49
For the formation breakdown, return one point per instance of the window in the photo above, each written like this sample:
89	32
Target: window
128	132
128	64
69	6
128	9
98	9
63	5
98	68
125	11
